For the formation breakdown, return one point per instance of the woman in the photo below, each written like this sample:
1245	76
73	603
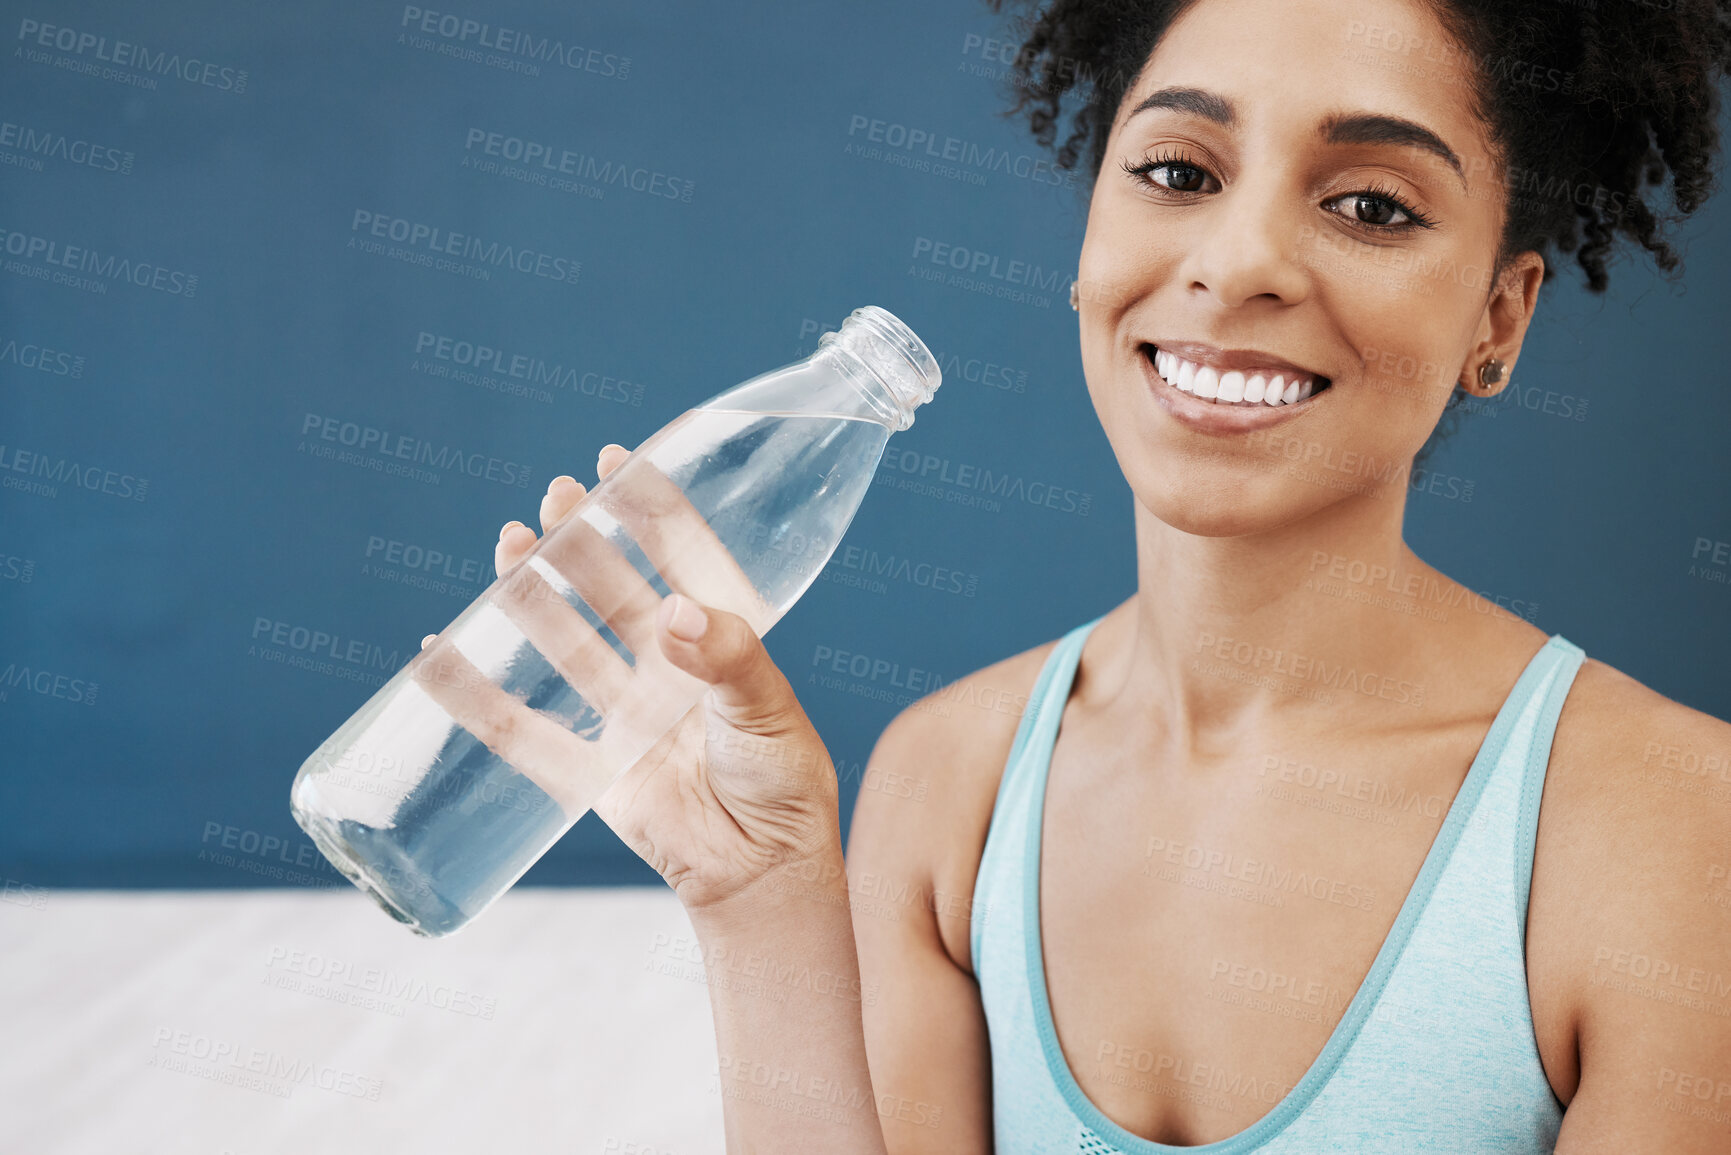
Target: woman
1267	863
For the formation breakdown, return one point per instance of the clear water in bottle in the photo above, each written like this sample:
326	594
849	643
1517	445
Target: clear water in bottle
476	756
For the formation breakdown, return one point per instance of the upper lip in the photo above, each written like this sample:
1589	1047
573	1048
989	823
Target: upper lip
1226	360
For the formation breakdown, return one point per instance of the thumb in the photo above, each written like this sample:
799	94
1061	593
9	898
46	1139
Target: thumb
723	650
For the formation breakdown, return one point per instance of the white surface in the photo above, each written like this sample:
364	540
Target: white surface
600	1038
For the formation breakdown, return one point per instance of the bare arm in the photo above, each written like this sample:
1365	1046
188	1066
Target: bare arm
791	1056
925	1028
1650	946
737	808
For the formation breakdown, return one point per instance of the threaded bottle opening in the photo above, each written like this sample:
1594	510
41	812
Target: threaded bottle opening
894	355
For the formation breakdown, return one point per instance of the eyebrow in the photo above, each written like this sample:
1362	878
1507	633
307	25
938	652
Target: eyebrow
1337	128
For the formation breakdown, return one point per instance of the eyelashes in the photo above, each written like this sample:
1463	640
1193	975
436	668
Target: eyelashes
1159	160
1387	196
1373	195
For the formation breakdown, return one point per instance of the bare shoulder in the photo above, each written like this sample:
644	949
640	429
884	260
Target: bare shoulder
1635	924
1629	760
926	797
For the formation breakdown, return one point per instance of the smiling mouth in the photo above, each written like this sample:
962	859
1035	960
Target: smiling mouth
1246	388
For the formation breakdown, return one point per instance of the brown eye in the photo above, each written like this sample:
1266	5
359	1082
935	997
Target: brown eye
1374	210
1182	177
1377	209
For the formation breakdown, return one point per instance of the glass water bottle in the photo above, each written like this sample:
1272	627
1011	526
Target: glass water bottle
738	503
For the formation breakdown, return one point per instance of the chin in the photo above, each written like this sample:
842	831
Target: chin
1206	501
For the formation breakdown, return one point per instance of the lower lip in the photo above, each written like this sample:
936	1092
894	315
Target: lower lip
1207	417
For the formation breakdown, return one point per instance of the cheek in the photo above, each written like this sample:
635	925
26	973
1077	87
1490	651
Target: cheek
1409	362
1122	257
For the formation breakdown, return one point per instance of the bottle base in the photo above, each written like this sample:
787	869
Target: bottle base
331	843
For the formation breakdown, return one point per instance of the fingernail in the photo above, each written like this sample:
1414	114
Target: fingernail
506	528
561	477
689	622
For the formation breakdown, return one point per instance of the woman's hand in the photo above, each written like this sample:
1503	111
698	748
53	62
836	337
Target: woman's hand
742	785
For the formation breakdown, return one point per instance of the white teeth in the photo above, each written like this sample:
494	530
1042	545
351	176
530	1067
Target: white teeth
1232	387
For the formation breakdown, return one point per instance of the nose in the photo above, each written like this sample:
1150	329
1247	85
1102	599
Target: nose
1246	249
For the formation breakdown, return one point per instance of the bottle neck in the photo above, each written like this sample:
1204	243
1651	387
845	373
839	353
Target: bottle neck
879	399
882	357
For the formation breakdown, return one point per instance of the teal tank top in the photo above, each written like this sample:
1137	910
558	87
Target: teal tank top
1435	1052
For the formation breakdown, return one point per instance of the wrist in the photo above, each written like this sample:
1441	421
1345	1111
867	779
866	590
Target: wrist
799	890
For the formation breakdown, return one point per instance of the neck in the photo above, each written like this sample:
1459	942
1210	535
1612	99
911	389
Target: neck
1228	633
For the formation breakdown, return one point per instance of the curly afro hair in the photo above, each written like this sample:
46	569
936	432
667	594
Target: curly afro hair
1588	108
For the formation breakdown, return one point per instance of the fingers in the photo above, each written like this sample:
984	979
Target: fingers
561	635
563	765
516	539
515	542
680	543
611	457
563	494
608	583
723	650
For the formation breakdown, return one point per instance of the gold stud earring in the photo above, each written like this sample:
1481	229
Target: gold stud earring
1075	290
1490	372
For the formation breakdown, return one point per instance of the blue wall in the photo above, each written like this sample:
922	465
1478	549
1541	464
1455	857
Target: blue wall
141	593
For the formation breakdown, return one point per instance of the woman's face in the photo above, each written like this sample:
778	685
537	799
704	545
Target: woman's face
1295	213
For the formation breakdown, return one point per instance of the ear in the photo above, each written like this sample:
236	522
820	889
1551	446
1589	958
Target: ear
1503	325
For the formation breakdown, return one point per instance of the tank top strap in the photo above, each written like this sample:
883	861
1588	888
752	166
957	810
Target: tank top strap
1037	728
1562	660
